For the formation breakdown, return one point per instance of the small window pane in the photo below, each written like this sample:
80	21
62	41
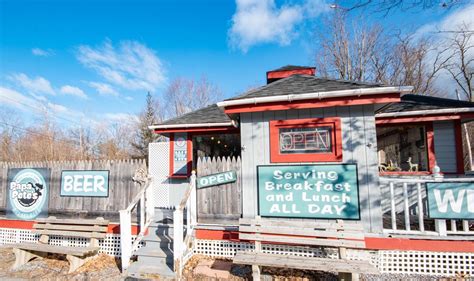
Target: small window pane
305	140
402	149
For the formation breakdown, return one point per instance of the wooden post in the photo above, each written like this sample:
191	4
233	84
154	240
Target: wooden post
149	201
440	226
193	199
142	212
177	239
407	207
393	206
421	222
125	238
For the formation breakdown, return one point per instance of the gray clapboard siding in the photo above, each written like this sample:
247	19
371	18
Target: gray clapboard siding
359	146
121	187
445	146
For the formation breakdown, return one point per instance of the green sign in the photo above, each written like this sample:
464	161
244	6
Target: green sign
216	179
450	200
85	183
328	191
28	193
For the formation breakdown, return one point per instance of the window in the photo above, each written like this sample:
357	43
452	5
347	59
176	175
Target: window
403	148
306	140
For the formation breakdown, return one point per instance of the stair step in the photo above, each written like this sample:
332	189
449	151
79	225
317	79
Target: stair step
153	237
154	252
141	270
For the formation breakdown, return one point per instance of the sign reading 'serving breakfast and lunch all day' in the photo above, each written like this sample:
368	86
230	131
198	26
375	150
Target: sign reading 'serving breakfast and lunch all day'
309	191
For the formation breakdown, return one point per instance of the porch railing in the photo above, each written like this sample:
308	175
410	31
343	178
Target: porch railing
406	205
143	204
184	220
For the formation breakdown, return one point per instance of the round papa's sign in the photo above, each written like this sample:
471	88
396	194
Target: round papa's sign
28	192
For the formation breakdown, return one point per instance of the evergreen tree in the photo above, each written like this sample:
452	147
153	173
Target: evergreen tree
144	135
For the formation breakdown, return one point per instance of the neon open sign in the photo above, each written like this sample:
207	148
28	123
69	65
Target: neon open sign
297	140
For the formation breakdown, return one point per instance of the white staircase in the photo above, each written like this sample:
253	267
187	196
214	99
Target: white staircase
165	234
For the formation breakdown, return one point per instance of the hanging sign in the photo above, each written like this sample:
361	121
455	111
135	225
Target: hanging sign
180	154
450	200
85	183
27	193
217	179
309	191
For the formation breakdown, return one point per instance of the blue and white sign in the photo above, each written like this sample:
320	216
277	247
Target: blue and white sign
450	200
85	183
327	191
180	154
28	192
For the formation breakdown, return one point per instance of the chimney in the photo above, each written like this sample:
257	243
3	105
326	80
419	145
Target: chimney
286	71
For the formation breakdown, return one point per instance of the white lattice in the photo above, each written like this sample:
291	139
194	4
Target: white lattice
159	170
397	262
427	263
110	245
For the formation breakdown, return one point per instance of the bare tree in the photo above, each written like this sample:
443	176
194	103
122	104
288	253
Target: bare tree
460	64
369	53
384	7
185	95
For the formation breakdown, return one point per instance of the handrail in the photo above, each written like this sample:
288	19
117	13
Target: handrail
146	212
181	242
424	180
137	197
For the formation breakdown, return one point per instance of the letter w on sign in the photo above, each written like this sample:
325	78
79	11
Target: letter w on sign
451	200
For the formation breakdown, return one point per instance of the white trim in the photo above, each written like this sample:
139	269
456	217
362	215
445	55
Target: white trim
317	95
196	125
426	112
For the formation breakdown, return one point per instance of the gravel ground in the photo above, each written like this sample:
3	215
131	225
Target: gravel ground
102	267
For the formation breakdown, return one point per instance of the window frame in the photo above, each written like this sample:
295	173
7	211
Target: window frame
429	136
336	140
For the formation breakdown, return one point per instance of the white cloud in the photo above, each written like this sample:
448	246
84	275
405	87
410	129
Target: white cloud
37	85
261	21
104	89
27	104
460	16
121	117
41	52
130	65
436	32
73	91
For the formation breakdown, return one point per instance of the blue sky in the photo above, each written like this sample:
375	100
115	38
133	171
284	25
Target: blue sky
97	59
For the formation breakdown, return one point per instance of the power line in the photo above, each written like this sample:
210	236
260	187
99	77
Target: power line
41	110
27	130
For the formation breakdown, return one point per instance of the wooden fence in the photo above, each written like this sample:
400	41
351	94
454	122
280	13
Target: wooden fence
121	186
222	203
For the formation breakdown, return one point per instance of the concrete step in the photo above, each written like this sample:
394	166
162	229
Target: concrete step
154	252
145	270
153	237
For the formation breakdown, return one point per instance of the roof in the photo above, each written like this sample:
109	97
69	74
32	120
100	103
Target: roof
291	67
411	102
209	114
303	84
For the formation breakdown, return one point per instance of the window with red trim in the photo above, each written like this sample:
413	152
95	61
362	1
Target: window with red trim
306	140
